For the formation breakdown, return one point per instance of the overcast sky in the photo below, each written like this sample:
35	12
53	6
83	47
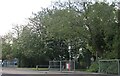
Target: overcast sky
14	12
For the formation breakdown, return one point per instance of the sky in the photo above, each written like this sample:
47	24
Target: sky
13	12
16	12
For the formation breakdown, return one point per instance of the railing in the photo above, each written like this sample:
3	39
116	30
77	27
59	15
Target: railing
111	66
62	65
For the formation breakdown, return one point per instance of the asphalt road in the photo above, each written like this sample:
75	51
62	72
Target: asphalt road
26	72
55	75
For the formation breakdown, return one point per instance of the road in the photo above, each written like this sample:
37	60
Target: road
55	75
27	72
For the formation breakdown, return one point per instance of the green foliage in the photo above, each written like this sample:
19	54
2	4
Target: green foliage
50	31
94	67
109	67
7	47
62	24
98	23
56	48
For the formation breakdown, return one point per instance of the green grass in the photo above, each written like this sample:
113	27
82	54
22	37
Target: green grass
80	69
35	69
40	69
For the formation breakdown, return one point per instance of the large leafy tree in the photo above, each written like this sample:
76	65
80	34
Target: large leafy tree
98	20
57	25
7	46
29	48
92	27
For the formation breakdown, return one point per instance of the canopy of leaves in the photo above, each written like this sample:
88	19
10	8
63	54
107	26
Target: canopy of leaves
50	31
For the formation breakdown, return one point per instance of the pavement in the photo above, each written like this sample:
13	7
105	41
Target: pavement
18	71
28	72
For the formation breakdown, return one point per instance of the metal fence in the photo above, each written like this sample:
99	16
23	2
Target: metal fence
111	66
62	65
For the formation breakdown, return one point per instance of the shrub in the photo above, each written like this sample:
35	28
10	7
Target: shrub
109	67
94	67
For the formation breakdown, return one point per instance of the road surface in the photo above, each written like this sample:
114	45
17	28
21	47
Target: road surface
27	72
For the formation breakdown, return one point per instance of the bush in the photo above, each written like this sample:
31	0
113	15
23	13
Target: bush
105	67
109	67
94	67
112	69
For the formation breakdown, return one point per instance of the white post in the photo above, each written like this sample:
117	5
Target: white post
49	66
60	66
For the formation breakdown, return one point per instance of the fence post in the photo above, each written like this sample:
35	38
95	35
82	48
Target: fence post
49	66
74	65
118	67
99	65
60	67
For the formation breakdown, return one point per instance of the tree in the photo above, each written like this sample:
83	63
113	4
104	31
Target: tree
7	47
29	48
98	19
51	31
